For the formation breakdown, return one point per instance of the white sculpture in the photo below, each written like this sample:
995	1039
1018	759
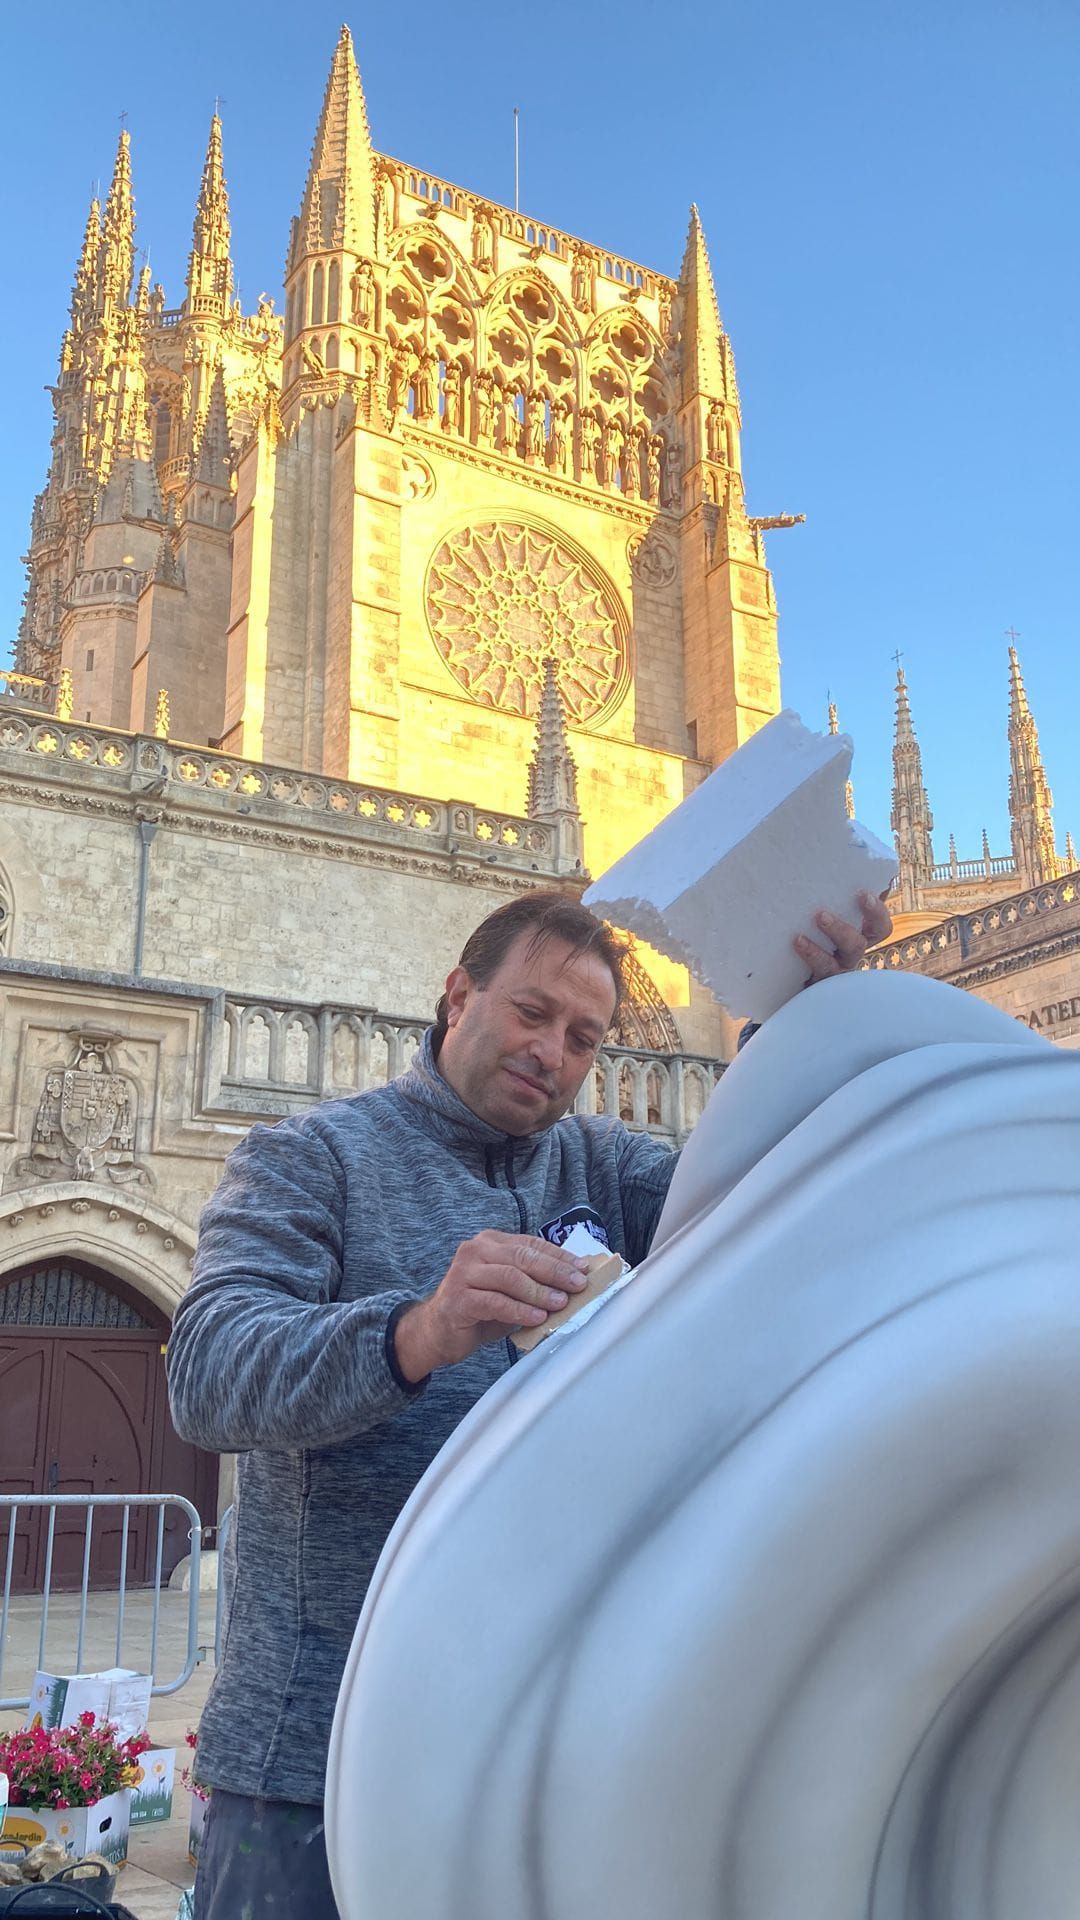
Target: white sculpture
757	1596
726	880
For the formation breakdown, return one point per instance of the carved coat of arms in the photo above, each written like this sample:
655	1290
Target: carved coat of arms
85	1124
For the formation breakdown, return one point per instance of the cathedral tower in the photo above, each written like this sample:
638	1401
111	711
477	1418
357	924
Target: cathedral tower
352	543
495	444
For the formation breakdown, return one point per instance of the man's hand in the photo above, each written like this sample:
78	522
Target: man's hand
849	944
494	1283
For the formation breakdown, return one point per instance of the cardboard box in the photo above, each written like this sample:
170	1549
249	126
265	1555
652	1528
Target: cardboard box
195	1827
118	1694
152	1791
102	1828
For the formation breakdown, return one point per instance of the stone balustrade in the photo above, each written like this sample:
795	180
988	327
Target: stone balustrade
962	935
253	787
296	1053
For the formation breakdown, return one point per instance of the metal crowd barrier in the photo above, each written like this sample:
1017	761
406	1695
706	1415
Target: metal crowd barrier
14	1504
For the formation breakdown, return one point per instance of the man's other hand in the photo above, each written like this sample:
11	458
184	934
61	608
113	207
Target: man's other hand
494	1283
848	944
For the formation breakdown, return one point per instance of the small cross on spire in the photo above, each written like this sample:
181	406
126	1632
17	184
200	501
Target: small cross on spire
1011	636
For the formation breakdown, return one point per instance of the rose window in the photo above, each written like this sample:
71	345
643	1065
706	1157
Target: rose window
502	598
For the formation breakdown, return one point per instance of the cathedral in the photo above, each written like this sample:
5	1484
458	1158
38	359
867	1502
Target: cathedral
343	625
347	620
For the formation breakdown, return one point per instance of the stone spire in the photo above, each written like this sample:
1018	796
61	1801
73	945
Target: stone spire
911	820
333	232
1071	862
849	790
211	448
700	330
552	773
117	255
85	287
337	213
210	272
1030	799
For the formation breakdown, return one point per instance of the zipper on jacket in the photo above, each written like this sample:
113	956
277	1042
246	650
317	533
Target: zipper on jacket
508	1169
512	1354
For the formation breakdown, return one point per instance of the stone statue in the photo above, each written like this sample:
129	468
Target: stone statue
362	291
397	393
509	424
485	407
535	428
581	279
654	465
590	442
452	398
632	461
665	313
671	495
559	441
802	1641
483	251
611	446
715	432
427	385
313	359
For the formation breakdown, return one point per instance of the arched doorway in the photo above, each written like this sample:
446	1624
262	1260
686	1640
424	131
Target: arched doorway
84	1409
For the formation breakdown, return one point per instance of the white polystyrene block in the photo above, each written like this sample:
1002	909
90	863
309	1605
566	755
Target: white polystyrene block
726	881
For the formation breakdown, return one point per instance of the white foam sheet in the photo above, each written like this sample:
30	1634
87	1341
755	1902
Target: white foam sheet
729	878
759	1594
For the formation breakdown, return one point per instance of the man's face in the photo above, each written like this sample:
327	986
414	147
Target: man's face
517	1050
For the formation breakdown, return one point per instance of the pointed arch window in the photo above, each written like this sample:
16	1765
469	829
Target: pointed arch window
318	282
333	293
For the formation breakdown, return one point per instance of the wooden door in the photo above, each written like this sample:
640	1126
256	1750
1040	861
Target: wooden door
25	1391
84	1409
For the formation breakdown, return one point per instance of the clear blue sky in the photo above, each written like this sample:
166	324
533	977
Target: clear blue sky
889	193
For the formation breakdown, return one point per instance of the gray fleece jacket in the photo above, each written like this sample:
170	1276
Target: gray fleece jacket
323	1230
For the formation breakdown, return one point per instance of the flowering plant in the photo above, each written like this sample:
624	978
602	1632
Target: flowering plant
187	1774
69	1766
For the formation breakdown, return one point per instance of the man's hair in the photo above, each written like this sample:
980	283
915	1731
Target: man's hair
551	916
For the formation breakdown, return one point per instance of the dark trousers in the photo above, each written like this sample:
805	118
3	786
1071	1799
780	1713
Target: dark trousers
262	1860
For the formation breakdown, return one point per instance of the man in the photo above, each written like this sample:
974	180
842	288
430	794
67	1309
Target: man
358	1273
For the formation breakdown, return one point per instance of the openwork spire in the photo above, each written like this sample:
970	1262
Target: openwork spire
849	790
211	447
1071	861
118	250
338	209
700	329
912	822
210	274
552	773
84	288
1030	799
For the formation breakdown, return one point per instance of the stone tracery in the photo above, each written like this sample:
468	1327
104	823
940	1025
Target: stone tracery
501	598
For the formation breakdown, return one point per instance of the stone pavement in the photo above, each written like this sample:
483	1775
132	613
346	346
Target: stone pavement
158	1867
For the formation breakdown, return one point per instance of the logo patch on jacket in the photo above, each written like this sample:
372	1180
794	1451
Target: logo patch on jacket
558	1231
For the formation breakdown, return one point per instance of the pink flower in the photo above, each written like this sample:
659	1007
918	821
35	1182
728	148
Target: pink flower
86	1719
